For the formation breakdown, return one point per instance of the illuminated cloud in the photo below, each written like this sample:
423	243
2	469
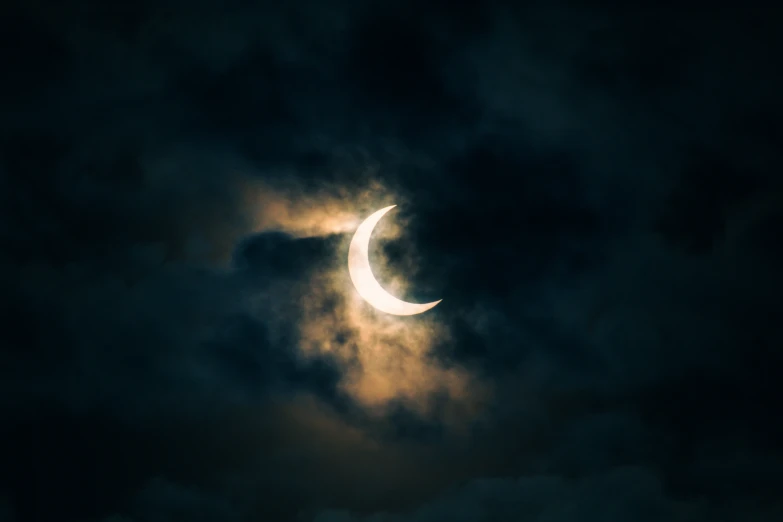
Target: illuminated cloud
385	359
309	213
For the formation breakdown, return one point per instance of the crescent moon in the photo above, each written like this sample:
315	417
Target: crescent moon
362	278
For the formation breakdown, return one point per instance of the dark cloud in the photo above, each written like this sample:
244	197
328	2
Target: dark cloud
595	194
622	494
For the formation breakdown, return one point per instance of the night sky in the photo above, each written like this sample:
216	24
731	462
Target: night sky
595	194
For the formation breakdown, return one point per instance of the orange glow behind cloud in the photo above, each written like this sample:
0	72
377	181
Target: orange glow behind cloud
384	358
329	211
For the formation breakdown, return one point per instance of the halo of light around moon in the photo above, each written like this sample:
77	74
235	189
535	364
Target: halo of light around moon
363	278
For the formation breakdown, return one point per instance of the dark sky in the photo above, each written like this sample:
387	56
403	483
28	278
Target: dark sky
595	194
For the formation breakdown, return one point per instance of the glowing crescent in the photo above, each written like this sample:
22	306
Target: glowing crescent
361	274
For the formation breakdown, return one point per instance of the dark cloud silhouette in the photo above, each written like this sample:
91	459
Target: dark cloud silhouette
594	193
623	494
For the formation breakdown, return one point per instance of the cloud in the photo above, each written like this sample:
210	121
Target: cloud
621	494
303	212
163	500
6	511
182	348
593	194
383	359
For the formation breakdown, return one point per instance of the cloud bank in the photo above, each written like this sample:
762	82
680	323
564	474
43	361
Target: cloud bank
593	193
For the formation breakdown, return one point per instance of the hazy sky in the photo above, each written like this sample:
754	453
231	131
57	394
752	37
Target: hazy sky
596	196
